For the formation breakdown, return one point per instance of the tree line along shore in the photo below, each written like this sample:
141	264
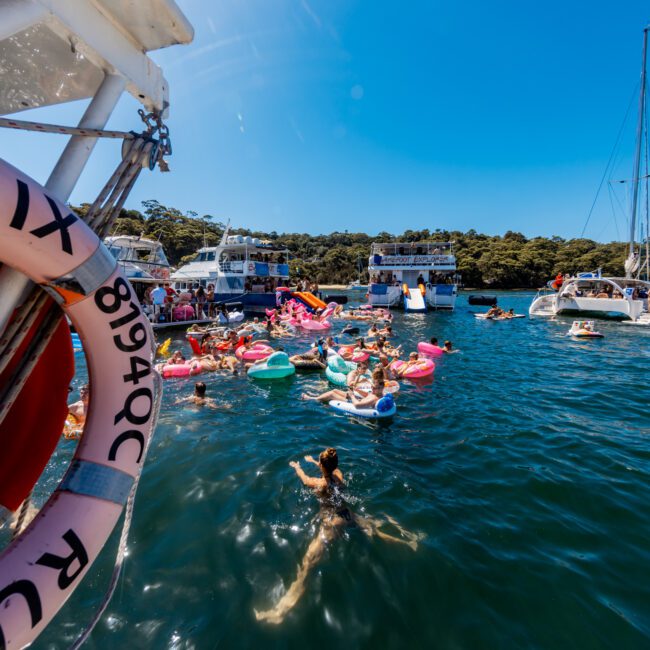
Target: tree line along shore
509	261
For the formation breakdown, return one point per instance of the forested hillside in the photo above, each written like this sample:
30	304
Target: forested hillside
507	261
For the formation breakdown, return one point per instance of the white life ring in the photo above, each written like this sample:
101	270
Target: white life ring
251	267
40	237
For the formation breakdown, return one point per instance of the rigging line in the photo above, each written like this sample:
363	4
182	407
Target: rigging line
647	209
609	162
619	202
611	202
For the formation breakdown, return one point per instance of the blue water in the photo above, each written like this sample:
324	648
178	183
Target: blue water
525	464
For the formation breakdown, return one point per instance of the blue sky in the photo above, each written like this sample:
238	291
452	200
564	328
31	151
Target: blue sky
321	115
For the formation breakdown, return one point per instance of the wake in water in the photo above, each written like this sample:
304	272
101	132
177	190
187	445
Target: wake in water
334	515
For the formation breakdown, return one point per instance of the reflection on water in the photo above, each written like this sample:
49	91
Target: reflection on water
524	463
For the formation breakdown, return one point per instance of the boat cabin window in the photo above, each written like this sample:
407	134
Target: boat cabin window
117	252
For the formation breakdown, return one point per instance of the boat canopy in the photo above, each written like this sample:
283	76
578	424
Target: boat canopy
413	248
55	51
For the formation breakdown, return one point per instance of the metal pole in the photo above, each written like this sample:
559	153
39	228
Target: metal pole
637	155
66	173
13	284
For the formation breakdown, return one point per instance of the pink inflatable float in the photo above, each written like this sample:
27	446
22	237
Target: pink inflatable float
429	350
187	369
314	325
352	353
423	368
254	352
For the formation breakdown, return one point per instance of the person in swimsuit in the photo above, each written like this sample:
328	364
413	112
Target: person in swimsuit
384	364
358	375
79	409
176	358
366	401
334	515
315	357
414	359
227	362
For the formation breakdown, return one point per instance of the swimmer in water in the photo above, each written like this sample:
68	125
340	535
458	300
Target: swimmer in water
199	398
449	348
334	515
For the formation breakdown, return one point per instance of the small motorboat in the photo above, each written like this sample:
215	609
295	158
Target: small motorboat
584	329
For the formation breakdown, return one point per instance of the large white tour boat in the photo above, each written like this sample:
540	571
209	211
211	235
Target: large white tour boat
415	276
240	269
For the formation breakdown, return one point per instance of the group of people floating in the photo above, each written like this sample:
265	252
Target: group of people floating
357	386
219	349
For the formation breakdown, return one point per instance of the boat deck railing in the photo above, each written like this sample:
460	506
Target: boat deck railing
187	313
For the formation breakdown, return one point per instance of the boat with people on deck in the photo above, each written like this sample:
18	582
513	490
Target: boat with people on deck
591	293
595	295
415	276
241	269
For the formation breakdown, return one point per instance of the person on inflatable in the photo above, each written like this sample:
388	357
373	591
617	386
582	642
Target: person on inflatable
79	409
227	362
334	515
358	375
367	402
373	331
384	366
317	354
386	331
414	359
206	363
494	312
384	347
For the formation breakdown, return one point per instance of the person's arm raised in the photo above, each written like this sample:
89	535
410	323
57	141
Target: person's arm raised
308	481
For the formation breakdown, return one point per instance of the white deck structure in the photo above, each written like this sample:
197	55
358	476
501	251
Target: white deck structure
591	294
400	271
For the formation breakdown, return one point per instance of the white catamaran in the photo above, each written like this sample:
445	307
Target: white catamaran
618	297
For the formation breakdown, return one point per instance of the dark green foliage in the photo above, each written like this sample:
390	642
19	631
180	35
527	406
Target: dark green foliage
510	261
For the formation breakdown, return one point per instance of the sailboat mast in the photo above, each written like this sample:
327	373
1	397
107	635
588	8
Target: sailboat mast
637	156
